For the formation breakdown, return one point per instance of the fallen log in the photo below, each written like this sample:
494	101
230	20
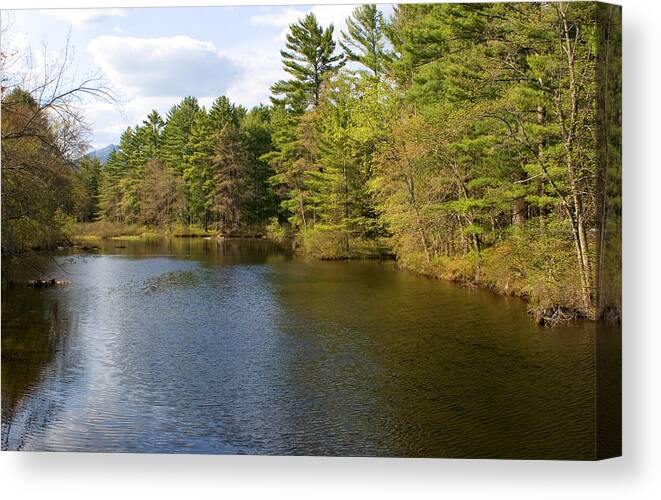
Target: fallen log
47	283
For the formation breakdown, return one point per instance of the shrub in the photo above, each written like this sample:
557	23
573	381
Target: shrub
325	244
536	262
275	231
107	230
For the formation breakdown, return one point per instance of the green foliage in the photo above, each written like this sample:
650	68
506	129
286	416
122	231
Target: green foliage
465	137
161	195
494	135
292	156
197	171
537	262
276	231
230	177
261	203
339	192
365	41
42	191
310	55
325	243
176	133
90	178
178	172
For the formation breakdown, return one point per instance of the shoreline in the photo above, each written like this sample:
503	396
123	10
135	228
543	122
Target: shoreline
467	271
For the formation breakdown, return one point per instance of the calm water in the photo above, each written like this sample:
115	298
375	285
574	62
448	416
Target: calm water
197	347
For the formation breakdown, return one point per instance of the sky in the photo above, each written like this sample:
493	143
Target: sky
153	57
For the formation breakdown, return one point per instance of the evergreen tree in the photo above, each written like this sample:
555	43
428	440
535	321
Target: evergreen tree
90	176
176	133
340	198
256	127
198	174
310	55
289	159
114	201
151	135
175	142
365	41
161	195
223	113
230	167
310	59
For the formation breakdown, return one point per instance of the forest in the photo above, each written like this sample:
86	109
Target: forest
471	141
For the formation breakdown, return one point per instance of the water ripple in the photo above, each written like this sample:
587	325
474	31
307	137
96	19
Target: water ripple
233	350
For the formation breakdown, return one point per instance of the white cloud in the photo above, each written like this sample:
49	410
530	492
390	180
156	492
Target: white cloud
156	73
165	66
260	68
85	18
109	120
335	14
281	18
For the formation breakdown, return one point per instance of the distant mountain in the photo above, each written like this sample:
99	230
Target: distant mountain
103	153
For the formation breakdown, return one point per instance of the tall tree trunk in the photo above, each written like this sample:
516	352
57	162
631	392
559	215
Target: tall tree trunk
519	212
302	209
569	128
418	220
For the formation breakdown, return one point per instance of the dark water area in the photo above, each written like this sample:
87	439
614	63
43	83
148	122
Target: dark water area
191	346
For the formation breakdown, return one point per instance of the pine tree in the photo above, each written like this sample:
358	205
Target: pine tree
176	133
90	176
175	142
365	42
292	156
152	135
223	113
161	196
230	168
197	174
110	194
256	128
333	187
308	58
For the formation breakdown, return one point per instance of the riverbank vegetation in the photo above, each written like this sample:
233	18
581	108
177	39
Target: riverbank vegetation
462	138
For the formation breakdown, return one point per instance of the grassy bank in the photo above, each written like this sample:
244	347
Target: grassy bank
89	231
537	266
340	245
